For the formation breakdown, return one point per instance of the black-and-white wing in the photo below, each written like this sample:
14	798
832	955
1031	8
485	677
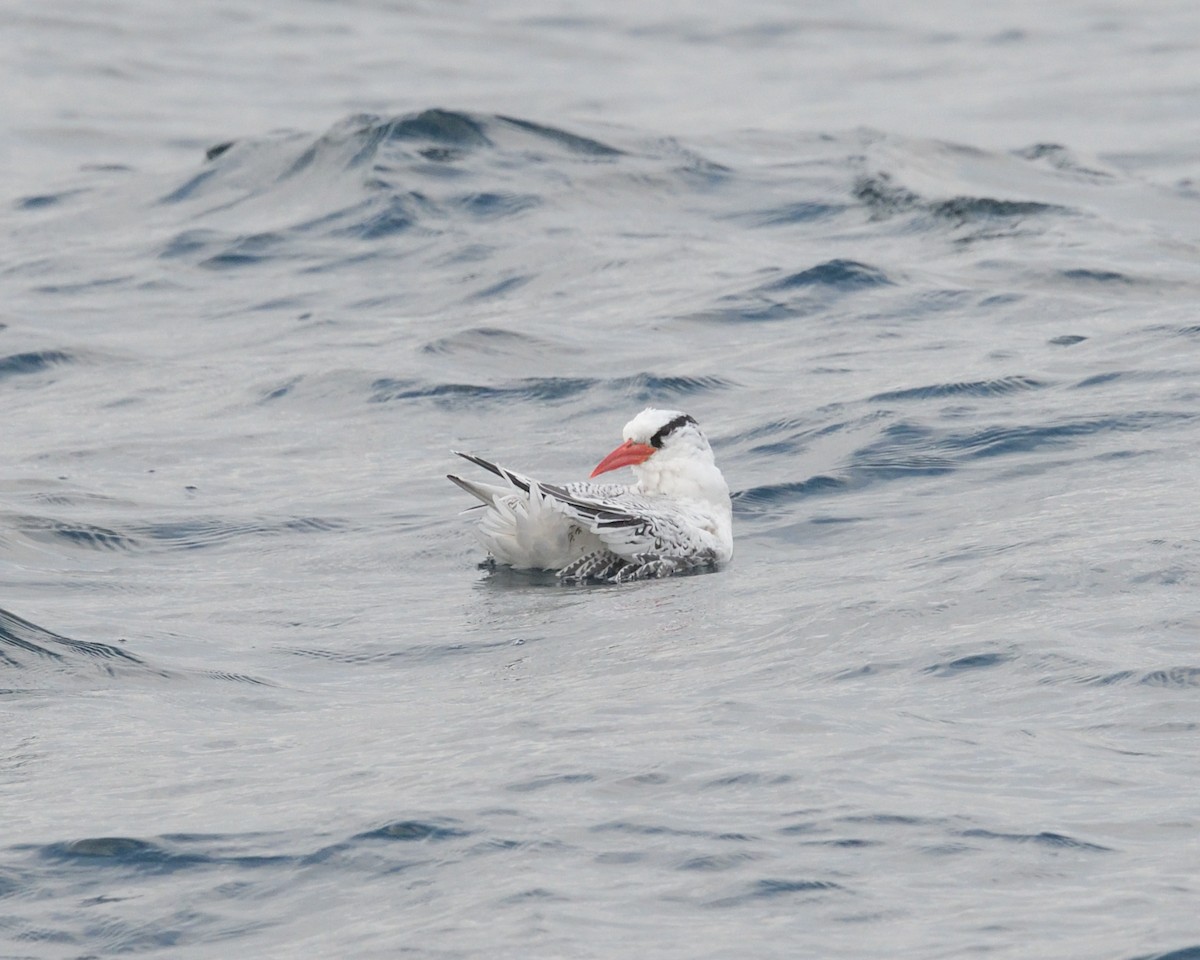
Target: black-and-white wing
637	528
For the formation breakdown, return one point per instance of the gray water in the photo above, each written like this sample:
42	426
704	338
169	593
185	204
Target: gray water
927	277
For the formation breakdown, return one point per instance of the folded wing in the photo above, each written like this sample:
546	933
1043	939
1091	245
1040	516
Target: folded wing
630	524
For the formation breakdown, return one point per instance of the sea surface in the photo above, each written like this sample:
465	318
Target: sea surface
928	275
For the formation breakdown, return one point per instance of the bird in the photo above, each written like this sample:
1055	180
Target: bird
677	517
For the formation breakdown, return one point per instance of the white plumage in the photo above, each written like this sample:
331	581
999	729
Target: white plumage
677	517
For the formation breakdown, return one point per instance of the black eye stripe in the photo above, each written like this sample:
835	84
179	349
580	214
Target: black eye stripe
667	429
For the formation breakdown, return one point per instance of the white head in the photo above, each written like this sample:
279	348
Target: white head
669	455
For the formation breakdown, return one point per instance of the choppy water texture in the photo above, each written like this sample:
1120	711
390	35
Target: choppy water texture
929	280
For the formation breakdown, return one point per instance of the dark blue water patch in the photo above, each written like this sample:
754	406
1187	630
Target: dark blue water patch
790	214
884	197
414	831
947	849
246	251
191	187
844	275
973	388
217	149
490	205
1066	340
44	201
1172	677
843	843
573	142
74	534
436	125
497	290
438	142
717	862
1060	158
40	202
375	219
548	782
1001	300
535	894
126	851
281	391
392	158
386	211
977	661
773	888
1084	275
1099	380
18	636
802	294
962	210
436	136
166	854
770	495
278	304
1183	953
1043	839
38	361
190	242
646	387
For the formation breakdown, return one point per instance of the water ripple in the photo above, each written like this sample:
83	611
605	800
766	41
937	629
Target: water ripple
1045	839
73	533
18	635
843	275
886	198
973	388
20	364
644	387
415	831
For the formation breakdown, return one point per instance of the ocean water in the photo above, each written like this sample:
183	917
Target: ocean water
927	277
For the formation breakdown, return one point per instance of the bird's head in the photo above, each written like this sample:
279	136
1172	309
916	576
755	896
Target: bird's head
665	435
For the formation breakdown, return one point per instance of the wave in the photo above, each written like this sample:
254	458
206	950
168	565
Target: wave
25	644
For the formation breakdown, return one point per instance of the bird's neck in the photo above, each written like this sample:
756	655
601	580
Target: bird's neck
692	479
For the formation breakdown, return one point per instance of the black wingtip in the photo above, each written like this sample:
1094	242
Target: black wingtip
478	461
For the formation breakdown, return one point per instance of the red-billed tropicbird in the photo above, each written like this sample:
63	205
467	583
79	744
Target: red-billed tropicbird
676	517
